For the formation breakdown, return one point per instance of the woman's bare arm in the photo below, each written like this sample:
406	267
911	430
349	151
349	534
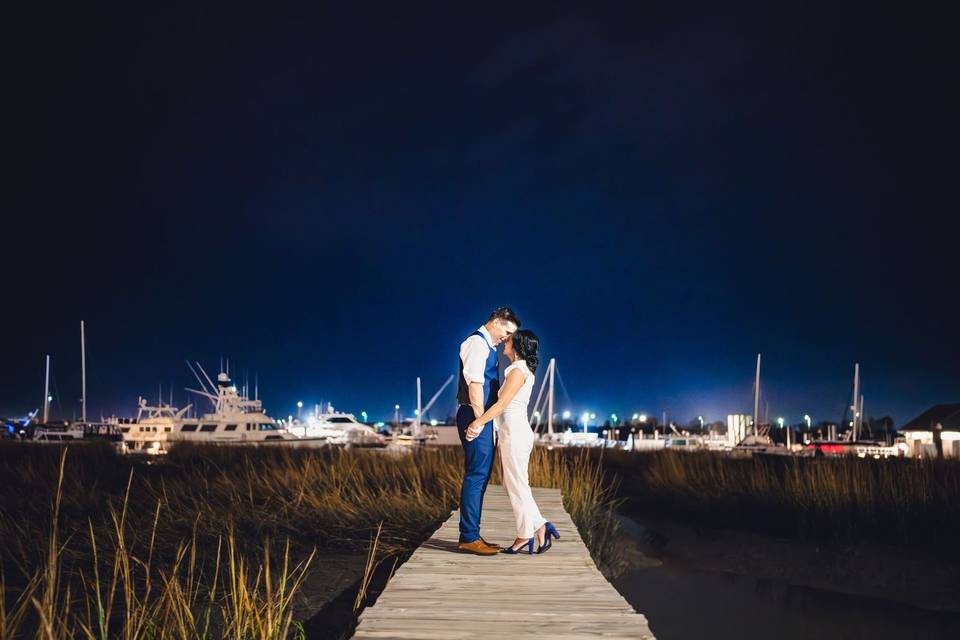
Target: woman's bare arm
515	380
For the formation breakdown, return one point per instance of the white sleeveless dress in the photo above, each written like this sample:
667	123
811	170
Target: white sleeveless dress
516	444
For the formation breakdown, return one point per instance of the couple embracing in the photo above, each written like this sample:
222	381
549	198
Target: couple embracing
484	405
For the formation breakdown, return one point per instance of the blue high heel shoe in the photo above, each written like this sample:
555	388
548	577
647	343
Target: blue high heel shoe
551	531
526	545
546	546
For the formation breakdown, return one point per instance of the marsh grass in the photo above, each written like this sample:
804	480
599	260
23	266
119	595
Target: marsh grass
837	500
182	549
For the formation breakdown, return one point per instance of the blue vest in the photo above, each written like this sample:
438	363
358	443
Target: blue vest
491	378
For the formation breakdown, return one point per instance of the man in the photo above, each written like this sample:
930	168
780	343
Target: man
477	391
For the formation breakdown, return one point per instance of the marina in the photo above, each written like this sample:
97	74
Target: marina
237	419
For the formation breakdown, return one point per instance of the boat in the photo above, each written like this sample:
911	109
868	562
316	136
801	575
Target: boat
235	419
414	433
337	428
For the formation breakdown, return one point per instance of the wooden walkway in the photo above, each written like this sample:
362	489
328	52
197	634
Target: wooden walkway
442	594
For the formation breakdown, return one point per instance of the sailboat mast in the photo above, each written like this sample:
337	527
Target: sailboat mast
553	367
756	398
416	424
46	393
856	400
83	375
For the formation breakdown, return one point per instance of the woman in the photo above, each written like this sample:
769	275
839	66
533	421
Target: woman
516	442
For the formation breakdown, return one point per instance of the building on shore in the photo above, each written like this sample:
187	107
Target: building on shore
934	433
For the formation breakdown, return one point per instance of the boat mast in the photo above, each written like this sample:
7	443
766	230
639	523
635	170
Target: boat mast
416	424
756	398
553	367
856	400
46	393
83	375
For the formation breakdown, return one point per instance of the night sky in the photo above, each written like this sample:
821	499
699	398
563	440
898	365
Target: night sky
334	196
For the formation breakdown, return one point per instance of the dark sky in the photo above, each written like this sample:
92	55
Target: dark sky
334	196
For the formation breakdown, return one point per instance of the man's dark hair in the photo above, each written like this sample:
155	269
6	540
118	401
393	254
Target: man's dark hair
506	314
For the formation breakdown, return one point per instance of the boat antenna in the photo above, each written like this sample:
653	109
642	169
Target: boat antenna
256	385
212	386
196	375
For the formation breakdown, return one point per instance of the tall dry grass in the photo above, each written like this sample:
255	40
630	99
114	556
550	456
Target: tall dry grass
830	499
124	591
182	548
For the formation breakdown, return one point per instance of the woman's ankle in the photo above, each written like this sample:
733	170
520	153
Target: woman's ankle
541	534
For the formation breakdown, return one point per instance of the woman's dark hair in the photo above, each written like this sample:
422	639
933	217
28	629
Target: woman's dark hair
526	345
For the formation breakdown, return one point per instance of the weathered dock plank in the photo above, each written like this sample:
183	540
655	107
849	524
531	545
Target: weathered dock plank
440	593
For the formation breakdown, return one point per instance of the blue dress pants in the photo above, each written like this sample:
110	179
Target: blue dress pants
478	456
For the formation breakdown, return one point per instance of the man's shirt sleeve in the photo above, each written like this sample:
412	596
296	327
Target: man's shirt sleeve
473	355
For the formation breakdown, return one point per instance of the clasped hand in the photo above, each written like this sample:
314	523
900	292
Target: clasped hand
474	430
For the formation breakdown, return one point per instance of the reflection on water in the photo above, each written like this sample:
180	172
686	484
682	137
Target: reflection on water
682	605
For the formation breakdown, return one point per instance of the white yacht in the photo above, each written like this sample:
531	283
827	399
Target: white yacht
235	420
338	428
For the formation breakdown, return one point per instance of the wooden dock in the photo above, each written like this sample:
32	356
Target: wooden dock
440	593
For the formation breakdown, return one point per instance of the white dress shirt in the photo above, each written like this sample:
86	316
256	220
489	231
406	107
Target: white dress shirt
473	354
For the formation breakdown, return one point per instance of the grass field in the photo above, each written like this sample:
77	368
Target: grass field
833	500
215	541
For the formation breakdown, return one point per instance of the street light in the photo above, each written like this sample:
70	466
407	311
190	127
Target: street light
643	417
566	415
780	422
807	419
299	408
613	419
363	414
585	417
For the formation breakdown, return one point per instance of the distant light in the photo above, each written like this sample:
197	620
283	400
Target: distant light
780	422
381	424
585	417
396	407
299	404
433	423
566	415
363	414
536	414
289	418
613	417
416	412
593	416
49	398
636	416
643	417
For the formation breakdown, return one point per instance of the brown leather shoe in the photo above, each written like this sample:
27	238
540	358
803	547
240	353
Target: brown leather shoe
478	547
490	544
